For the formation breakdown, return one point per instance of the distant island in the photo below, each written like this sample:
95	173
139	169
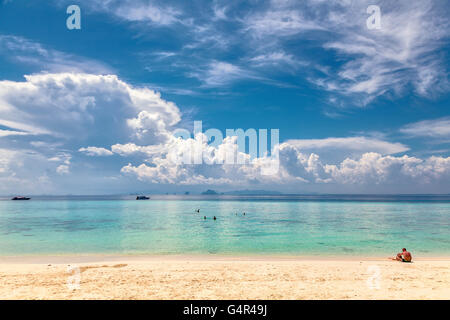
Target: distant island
247	192
242	192
209	192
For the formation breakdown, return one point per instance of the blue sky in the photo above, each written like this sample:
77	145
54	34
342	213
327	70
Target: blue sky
93	111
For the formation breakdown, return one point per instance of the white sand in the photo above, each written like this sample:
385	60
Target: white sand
165	277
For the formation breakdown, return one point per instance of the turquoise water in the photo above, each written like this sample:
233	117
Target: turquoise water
270	226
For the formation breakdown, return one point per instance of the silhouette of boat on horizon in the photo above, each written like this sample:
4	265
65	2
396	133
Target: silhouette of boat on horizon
142	198
20	198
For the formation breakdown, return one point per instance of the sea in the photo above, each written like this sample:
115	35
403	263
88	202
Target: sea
293	225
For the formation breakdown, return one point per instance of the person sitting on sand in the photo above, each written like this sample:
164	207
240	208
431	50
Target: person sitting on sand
404	256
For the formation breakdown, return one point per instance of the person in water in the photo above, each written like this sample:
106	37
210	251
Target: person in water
404	256
204	217
215	218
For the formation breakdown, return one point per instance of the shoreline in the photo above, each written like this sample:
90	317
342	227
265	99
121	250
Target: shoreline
99	258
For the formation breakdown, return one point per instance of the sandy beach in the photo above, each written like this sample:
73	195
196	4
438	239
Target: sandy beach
206	277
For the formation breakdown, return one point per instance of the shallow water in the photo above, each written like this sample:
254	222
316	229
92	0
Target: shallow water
170	225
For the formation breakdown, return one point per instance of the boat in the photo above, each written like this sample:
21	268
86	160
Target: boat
20	198
142	198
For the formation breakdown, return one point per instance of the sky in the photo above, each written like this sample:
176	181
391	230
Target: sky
359	107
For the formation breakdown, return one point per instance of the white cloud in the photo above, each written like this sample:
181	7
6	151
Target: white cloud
407	52
279	21
220	13
63	169
95	151
207	37
18	126
436	128
404	53
24	171
27	52
65	110
80	106
276	58
148	12
133	149
70	108
127	149
6	159
150	126
4	133
349	144
374	168
175	162
295	167
163	54
219	73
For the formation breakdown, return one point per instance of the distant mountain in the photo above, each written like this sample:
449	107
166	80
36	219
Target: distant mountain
253	192
209	192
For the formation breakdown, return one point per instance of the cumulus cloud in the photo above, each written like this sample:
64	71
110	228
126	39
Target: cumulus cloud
95	151
6	159
374	168
295	167
151	126
184	161
25	171
332	149
129	149
62	111
112	117
63	169
83	106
